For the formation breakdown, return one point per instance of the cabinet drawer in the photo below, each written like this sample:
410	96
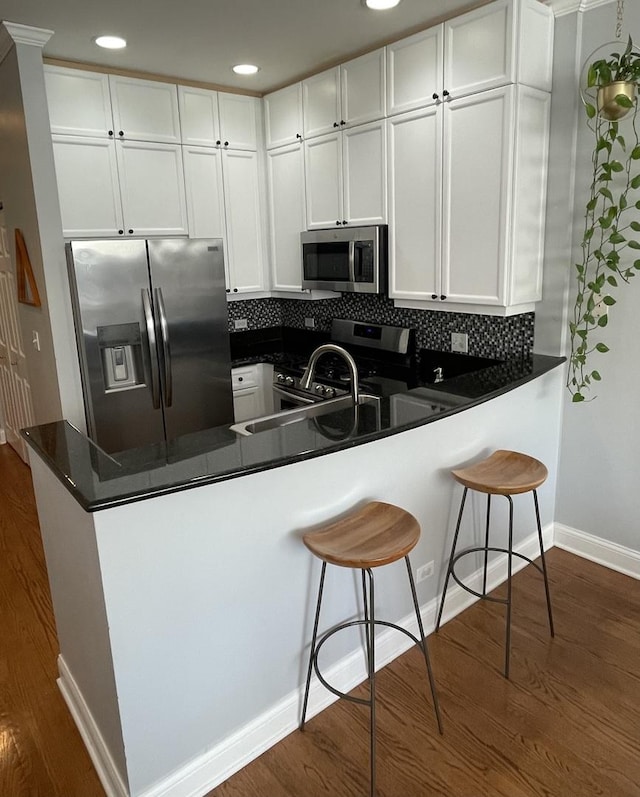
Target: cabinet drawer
243	378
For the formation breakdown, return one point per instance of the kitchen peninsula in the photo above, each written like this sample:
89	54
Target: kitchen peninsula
182	592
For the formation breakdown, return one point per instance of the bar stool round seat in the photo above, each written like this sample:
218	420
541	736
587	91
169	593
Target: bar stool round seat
503	473
372	536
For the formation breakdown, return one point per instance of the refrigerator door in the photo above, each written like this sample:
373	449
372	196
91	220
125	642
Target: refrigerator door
190	306
116	339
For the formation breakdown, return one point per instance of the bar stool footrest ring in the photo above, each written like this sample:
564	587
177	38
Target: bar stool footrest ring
342	627
482	549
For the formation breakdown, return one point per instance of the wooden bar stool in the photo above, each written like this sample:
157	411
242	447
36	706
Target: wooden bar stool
372	536
504	473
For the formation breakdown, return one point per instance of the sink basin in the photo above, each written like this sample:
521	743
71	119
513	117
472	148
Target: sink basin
267	422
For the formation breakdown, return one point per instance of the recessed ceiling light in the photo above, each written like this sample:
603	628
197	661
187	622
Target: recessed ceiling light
380	5
111	42
245	69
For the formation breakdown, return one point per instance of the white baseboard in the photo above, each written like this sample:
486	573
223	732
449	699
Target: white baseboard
609	554
207	771
98	751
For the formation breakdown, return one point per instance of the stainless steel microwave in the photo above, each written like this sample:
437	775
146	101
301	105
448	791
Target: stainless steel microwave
350	259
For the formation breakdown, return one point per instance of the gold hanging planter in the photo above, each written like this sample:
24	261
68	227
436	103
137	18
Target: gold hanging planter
609	107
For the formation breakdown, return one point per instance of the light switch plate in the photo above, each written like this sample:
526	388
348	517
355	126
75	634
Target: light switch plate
460	342
310	323
240	323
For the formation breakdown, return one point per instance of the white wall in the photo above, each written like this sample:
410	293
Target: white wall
598	486
29	194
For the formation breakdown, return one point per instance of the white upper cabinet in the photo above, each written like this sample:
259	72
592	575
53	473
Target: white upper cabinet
144	110
287	218
283	116
204	191
79	102
474	237
507	41
346	177
217	119
415	71
239	121
345	96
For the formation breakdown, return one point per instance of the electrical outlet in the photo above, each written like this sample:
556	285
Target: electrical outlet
460	342
424	572
240	323
310	323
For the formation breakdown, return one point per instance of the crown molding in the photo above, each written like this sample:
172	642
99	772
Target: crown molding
12	33
561	8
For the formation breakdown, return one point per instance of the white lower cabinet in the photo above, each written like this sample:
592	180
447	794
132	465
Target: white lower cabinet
223	201
110	188
345	176
285	167
467	185
252	396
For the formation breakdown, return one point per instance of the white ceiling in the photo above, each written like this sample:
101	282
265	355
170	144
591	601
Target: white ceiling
200	40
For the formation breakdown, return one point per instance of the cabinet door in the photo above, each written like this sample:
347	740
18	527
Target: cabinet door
88	188
479	49
152	188
287	218
247	404
478	174
199	116
79	102
362	83
321	103
244	221
364	166
145	110
323	176
415	201
204	191
415	71
238	121
283	116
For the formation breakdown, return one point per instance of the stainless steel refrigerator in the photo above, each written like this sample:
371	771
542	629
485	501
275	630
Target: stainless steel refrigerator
152	331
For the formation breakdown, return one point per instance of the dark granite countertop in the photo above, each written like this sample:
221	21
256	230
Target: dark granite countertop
99	481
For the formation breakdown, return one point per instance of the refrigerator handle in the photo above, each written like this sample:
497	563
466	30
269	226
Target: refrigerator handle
153	349
166	348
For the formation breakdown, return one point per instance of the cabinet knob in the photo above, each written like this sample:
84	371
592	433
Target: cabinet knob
240	378
338	222
342	122
235	290
435	96
344	221
218	142
121	133
228	290
298	135
434	295
226	143
110	132
443	297
445	93
120	232
335	124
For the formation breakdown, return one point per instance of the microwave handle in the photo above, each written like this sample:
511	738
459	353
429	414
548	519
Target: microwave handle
352	262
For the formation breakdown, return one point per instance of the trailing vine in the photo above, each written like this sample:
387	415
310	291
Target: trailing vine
609	240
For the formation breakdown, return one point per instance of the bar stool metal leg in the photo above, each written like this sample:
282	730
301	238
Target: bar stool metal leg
313	646
423	645
453	551
510	573
544	564
486	545
371	630
366	617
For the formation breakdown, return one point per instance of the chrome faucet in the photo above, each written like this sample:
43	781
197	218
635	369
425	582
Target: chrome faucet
307	376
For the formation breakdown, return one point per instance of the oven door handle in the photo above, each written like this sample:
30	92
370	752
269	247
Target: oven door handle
292	396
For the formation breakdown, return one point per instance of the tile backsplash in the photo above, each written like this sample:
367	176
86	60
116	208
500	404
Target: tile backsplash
489	336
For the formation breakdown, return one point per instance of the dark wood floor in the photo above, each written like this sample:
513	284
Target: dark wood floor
567	724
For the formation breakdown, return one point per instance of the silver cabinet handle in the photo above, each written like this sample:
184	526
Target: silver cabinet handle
352	261
166	348
153	349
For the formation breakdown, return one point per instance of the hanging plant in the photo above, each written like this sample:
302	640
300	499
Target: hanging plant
612	213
